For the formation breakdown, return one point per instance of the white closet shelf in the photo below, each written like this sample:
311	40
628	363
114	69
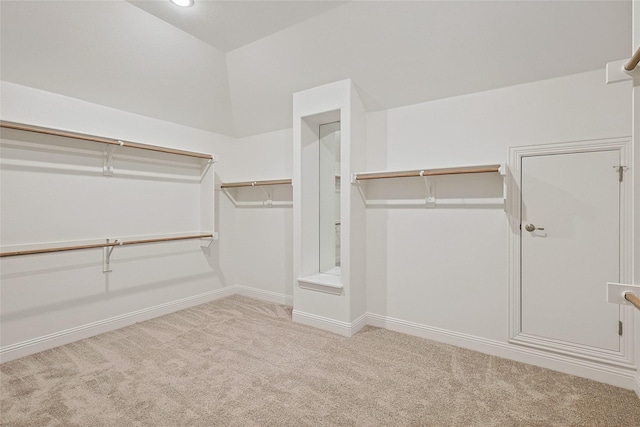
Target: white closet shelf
264	185
256	183
206	192
107	244
430	196
496	168
100	139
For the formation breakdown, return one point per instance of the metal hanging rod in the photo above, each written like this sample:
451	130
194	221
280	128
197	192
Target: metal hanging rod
633	62
100	139
427	172
104	245
255	183
633	299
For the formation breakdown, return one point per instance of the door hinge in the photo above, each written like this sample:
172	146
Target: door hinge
621	170
620	328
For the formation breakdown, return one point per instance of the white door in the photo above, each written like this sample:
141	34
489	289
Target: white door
573	201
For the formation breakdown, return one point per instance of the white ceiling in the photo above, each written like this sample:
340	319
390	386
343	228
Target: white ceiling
230	24
231	67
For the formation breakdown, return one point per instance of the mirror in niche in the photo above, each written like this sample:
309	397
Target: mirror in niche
329	191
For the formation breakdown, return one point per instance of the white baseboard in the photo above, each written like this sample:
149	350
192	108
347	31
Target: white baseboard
614	375
359	323
346	329
263	295
46	342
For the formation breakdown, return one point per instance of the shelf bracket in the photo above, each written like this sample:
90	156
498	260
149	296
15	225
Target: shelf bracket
358	184
106	257
430	198
502	170
269	193
107	166
205	243
615	72
616	293
206	165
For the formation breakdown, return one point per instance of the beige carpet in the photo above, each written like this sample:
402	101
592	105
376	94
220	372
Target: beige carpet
242	362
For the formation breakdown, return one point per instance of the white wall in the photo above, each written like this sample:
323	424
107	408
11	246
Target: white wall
442	273
50	299
428	50
263	242
418	261
115	54
447	268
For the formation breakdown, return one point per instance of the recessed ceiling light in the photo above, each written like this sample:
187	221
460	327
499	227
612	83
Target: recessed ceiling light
183	3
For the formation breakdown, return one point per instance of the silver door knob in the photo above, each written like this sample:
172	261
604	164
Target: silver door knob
531	227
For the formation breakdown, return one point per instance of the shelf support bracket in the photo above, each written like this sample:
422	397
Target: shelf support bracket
358	184
106	257
205	243
502	170
107	166
430	199
206	165
269	193
616	72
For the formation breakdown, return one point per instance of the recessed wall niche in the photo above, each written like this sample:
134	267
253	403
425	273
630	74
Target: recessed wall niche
328	295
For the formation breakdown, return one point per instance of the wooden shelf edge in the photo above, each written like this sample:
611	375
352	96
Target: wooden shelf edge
100	139
256	183
104	245
495	168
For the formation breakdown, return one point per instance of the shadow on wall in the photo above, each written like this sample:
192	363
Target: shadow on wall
212	252
105	296
40	153
55	192
261	196
477	191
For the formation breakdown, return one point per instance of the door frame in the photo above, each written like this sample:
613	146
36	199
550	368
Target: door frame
625	356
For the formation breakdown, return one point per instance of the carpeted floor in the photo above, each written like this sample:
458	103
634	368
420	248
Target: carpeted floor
242	362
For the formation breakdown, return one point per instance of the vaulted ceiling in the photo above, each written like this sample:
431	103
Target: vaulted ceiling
231	67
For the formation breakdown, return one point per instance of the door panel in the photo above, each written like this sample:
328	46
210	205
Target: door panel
573	201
